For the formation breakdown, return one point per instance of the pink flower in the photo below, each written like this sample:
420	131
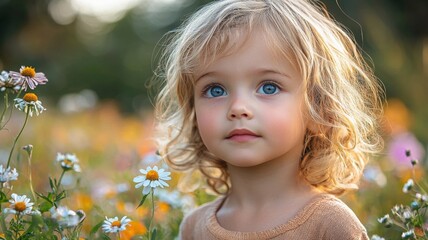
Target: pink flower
29	77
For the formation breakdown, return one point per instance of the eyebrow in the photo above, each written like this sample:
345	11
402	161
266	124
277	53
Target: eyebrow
261	71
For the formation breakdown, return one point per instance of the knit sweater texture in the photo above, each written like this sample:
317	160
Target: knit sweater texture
325	217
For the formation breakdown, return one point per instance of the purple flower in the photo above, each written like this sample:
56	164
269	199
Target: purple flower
29	77
401	143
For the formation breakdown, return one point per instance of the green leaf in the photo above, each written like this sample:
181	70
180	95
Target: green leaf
142	200
3	197
51	183
96	228
60	196
45	206
154	234
43	196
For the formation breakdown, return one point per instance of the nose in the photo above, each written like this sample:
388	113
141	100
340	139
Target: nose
239	109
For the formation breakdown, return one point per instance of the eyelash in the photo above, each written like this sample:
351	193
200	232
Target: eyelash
276	84
210	86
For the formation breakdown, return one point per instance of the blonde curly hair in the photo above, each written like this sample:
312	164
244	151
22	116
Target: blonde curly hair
342	96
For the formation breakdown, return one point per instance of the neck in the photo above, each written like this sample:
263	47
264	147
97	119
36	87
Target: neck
267	183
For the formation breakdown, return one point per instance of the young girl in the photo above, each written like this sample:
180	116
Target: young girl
273	103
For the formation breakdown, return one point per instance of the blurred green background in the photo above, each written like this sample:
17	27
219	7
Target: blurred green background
99	56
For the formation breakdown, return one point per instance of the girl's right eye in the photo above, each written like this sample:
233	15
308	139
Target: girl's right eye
214	91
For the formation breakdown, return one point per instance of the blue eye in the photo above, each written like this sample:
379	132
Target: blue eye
214	91
268	88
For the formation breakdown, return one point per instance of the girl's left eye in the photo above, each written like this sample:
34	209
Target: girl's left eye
268	88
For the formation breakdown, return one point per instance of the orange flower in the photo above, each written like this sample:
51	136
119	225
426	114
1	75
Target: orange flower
134	229
162	210
83	202
419	232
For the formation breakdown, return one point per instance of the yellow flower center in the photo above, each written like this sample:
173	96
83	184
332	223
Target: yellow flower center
30	97
68	163
116	224
152	175
20	206
28	72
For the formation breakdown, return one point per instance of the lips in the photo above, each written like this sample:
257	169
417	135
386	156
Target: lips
242	135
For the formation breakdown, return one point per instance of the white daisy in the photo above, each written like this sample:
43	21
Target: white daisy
113	225
68	161
20	205
29	77
29	104
64	216
9	83
6	174
152	178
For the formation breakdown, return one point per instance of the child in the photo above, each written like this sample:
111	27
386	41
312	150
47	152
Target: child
272	102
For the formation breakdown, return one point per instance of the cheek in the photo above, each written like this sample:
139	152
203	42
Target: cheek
206	124
285	124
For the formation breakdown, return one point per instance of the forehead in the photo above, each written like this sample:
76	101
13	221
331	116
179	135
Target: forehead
252	44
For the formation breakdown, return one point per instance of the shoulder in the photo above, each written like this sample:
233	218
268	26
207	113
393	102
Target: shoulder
198	218
337	220
199	212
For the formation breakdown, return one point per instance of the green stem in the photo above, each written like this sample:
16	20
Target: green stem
3	226
153	213
16	139
6	106
30	155
399	225
60	179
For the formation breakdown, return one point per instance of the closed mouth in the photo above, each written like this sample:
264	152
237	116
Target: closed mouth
241	133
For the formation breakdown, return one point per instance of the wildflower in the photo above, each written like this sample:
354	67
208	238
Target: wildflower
408	234
29	104
400	148
28	77
396	209
408	185
113	225
20	205
28	148
134	229
419	231
64	216
6	174
407	215
422	198
152	178
376	237
386	220
415	205
9	83
68	162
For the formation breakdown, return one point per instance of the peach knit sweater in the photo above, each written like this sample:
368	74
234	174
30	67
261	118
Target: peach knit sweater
325	217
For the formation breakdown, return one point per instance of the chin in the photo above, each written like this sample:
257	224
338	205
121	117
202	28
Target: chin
245	164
